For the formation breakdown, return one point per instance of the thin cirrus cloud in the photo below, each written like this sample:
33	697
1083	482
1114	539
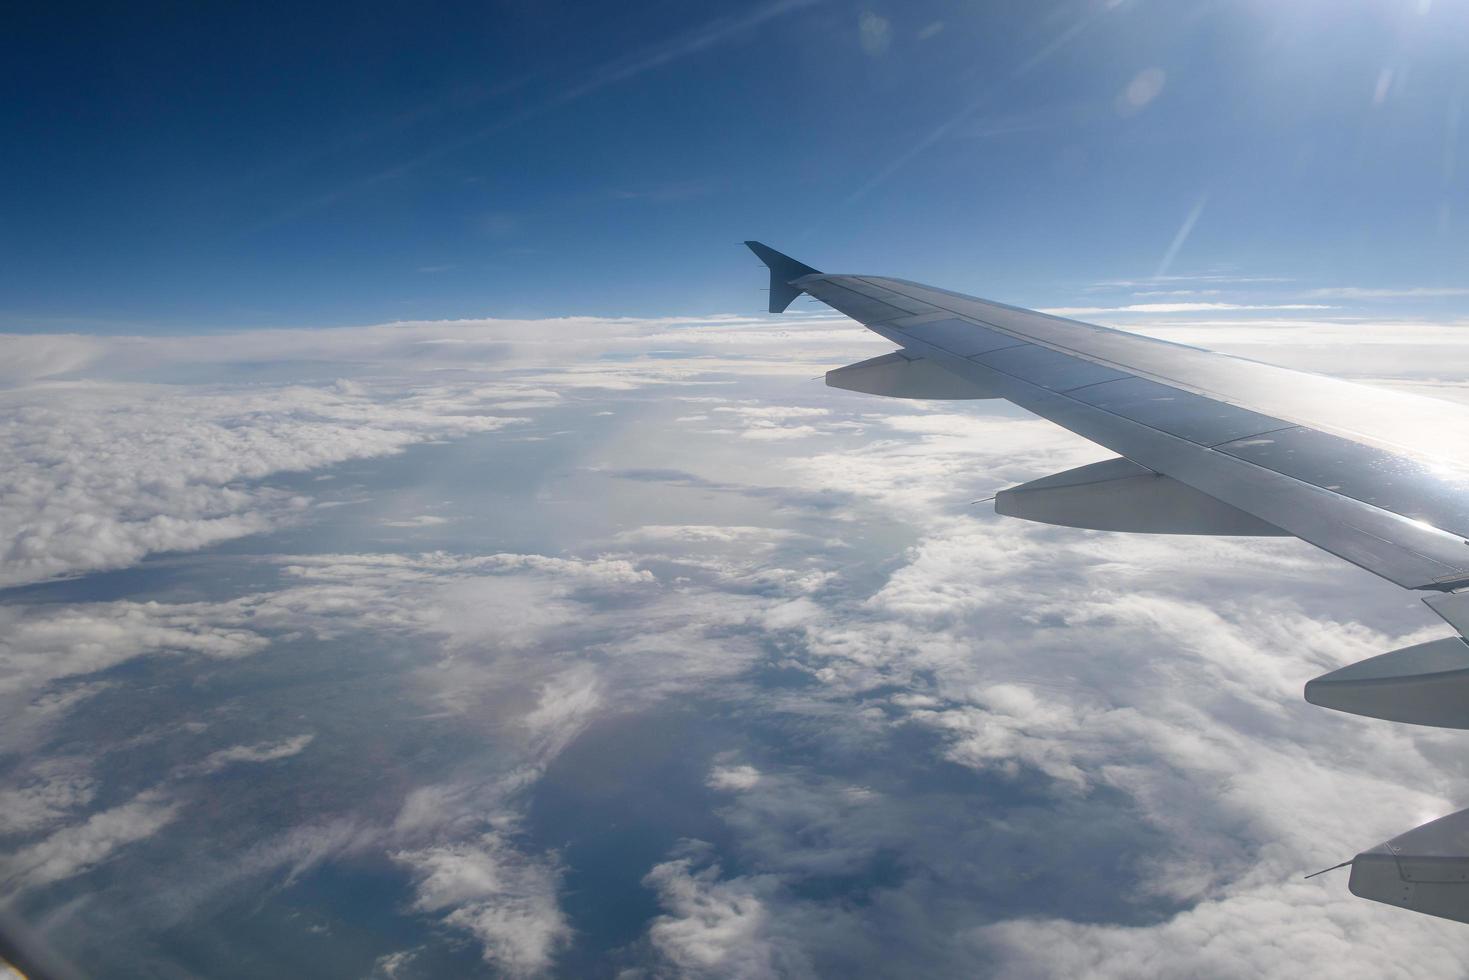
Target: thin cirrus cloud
617	70
1208	307
1412	292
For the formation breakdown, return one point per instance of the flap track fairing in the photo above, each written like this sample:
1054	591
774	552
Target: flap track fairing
901	375
1426	684
1120	495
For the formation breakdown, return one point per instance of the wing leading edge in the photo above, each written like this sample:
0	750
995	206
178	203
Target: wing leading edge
1210	444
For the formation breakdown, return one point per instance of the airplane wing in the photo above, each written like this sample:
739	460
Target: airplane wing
1212	444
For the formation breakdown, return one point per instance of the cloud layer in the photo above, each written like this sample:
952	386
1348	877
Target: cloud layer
727	649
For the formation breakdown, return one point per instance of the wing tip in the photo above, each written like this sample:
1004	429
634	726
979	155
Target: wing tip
783	269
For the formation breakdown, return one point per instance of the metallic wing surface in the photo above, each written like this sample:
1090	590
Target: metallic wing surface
1207	443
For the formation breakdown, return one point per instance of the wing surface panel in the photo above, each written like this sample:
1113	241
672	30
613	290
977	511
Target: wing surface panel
962	337
1181	413
1048	368
1396	421
885	295
1397	483
1405	551
841	293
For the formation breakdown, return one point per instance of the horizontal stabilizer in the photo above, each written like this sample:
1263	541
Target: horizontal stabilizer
783	269
1427	684
1120	495
901	375
1425	870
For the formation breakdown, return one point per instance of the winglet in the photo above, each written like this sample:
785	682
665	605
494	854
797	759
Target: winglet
783	269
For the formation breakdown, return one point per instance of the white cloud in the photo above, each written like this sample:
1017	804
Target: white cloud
55	788
1211	742
422	520
31	356
42	643
502	897
708	534
104	471
568	701
100	475
875	33
77	848
1144	686
734	778
953	459
1407	292
715	928
1282	931
394	966
1144	88
259	752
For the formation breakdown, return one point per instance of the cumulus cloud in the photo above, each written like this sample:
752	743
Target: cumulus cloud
1211	744
734	778
55	788
97	476
502	897
1281	931
995	632
393	966
41	643
77	848
716	928
102	468
937	742
260	752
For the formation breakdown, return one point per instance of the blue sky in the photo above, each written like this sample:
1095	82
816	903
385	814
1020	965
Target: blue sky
175	169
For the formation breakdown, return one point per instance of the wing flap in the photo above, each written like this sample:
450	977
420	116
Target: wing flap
1200	420
959	337
1049	368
